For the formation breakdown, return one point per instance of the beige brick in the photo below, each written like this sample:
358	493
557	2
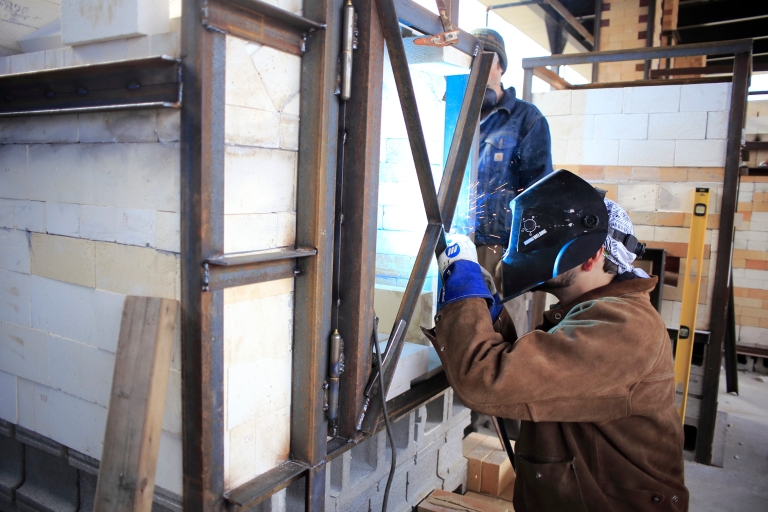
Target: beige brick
135	270
674	219
669	234
645	173
638	196
673	174
645	218
706	174
62	258
258	328
617	173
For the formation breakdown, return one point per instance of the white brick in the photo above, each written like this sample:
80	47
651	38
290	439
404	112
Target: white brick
24	352
643	100
404	218
399	194
700	153
286	229
553	103
30	216
14	181
704	97
25	400
571	127
559	151
257	329
250	232
717	125
62	309
638	196
251	127
678	197
80	370
107	315
679	125
7	210
168	231
621	126
47	129
280	73
647	152
259	180
405	243
122	225
172	410
142	176
597	101
60	173
671	234
244	84
41	409
293	105
593	152
119	126
15	297
169	474
62	219
77	423
271	376
644	232
166	43
15	250
289	132
169	125
753	335
83	21
8	397
54	58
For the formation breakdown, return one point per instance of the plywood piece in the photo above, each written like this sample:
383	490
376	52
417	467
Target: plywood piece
444	501
497	473
508	493
470	442
490	502
132	439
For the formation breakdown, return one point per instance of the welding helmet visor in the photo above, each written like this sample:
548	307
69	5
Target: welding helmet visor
558	223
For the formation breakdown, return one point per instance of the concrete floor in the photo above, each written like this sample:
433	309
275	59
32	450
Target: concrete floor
742	484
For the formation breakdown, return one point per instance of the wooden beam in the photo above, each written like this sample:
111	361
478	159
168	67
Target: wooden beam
551	78
132	439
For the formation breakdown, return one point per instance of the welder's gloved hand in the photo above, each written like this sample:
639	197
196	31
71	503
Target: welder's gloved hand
462	276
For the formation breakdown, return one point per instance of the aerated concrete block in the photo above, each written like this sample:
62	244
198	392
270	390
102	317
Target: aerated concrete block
88	21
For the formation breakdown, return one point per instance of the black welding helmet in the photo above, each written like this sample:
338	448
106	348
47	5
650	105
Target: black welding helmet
558	223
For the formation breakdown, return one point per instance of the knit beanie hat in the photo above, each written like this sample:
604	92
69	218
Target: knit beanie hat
492	42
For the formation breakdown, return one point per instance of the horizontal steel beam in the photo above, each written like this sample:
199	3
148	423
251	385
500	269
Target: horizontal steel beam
659	52
417	17
722	22
571	20
265	485
258	21
140	83
237	270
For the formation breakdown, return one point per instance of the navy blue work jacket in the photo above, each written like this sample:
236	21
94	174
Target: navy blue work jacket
515	151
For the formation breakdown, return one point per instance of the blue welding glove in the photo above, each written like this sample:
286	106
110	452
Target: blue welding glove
462	276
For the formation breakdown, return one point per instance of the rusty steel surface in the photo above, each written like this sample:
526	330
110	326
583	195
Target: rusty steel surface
231	270
139	83
720	295
315	189
265	485
417	17
360	198
202	236
261	22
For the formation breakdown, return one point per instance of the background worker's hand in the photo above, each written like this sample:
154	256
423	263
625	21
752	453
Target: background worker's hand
463	278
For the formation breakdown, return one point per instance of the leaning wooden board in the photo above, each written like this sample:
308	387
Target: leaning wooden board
132	438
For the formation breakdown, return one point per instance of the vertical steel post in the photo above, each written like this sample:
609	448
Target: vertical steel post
202	237
360	198
720	296
527	84
315	199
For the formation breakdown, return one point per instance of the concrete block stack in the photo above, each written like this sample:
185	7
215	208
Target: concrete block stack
428	444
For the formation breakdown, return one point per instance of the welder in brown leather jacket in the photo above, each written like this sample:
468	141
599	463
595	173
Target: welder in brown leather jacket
593	385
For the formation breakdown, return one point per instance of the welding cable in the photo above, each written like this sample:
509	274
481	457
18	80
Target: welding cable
386	422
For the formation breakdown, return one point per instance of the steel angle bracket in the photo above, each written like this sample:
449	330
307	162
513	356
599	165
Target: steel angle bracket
450	34
153	82
439	206
691	286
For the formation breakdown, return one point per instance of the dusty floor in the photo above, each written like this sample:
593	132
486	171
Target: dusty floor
742	484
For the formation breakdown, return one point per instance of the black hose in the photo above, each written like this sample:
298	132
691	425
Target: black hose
386	422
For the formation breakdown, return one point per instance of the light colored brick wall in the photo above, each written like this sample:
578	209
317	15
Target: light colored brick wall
261	155
89	213
650	147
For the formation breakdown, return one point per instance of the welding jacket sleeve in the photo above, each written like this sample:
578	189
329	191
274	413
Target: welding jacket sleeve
606	359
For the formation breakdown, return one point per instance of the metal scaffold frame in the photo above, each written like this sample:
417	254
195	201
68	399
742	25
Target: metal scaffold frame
206	270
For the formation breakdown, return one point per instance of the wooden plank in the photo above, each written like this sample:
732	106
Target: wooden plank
551	78
132	438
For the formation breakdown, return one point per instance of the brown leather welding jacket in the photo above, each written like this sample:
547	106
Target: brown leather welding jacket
594	386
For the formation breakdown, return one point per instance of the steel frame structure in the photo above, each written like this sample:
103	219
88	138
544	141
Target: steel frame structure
742	50
206	270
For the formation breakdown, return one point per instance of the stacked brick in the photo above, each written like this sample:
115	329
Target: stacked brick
260	160
428	443
89	213
650	147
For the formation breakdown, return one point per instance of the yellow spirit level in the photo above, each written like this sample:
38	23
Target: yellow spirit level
691	287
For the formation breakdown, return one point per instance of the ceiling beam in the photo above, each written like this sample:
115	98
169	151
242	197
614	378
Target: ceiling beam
723	22
559	8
